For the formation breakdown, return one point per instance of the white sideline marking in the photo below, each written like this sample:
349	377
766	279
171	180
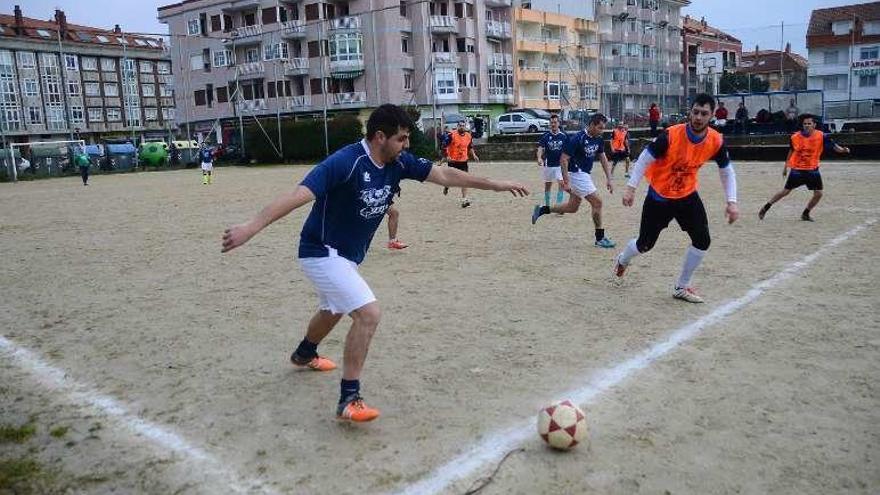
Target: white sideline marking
84	396
493	448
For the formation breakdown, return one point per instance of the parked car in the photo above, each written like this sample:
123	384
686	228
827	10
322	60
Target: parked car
451	120
515	122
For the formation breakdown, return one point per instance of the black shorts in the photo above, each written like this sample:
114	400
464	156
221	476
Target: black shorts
810	178
463	166
689	212
619	155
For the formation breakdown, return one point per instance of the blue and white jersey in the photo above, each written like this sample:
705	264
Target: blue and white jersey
553	145
352	194
206	155
582	149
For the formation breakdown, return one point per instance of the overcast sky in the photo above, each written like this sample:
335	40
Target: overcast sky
752	21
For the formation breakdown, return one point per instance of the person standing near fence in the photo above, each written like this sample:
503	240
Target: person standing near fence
620	147
742	119
654	118
207	159
460	146
81	158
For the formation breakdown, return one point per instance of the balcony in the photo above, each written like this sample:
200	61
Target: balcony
251	105
250	69
244	35
447	59
443	24
347	69
532	74
498	29
298	102
498	3
501	95
500	61
348	23
293	29
296	67
356	99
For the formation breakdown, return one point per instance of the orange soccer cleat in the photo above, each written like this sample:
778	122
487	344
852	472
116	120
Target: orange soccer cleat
317	363
356	410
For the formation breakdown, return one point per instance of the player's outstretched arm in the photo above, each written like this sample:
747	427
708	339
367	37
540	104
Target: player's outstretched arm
841	149
451	177
607	168
282	205
638	171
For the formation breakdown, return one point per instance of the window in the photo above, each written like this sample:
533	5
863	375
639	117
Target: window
275	51
149	89
164	90
89	63
249	18
458	10
504	118
841	27
313	49
73	87
77	115
96	115
30	87
473	79
445	82
216	24
222	58
402	8
201	99
146	66
870	28
868	81
312	12
404	44
163	67
345	46
270	15
517	118
108	64
315	86
35	115
833	82
26	60
222	95
193	28
196	62
151	113
44	33
469	10
93	89
407	80
252	55
831	57
870	53
167	113
102	39
111	89
114	115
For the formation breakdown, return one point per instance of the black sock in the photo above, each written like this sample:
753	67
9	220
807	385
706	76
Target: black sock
806	212
348	388
545	210
306	349
767	206
600	234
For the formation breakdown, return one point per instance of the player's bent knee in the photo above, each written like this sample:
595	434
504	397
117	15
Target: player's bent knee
368	315
645	245
701	240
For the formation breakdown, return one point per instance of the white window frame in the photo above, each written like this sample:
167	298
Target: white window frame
146	66
163	67
165	90
868	81
114	114
831	57
114	92
167	113
252	55
71	62
189	27
73	87
221	58
446	83
92	89
26	60
869	53
151	113
34	115
108	64
31	87
346	46
89	63
77	114
96	115
275	51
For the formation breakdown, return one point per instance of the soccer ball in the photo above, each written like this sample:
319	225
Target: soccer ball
562	425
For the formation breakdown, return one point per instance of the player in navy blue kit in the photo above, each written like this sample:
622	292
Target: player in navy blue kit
580	152
550	148
352	190
207	158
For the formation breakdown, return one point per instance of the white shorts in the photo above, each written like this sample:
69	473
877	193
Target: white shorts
581	184
207	166
340	287
551	174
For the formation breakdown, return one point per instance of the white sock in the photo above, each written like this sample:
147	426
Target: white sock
692	259
628	253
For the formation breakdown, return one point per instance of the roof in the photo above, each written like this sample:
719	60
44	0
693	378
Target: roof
768	61
694	26
48	30
821	19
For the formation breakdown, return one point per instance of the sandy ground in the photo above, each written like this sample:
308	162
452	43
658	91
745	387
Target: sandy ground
486	318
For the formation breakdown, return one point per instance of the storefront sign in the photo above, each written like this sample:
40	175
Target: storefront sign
866	67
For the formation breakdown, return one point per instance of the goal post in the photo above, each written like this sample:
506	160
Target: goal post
65	144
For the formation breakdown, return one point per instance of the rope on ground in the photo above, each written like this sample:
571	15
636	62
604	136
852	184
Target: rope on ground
484	482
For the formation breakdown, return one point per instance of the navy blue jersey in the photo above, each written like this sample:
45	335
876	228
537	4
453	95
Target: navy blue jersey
352	195
582	149
207	156
553	145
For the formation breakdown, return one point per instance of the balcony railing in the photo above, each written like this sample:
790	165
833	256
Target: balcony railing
442	24
347	23
294	29
500	60
347	66
357	98
251	105
250	68
296	66
299	102
498	29
498	3
445	58
244	35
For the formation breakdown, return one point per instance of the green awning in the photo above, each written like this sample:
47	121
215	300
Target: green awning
346	74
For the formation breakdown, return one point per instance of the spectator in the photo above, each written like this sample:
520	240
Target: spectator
791	116
742	119
721	115
654	118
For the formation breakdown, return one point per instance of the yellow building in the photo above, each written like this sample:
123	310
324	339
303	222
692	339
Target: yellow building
557	61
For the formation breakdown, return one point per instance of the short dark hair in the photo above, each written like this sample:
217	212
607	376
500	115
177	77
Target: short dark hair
389	119
554	116
598	118
703	99
804	116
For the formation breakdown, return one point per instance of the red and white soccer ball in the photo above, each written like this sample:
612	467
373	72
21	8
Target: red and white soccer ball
562	425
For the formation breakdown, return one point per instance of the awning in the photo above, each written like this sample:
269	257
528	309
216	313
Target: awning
346	74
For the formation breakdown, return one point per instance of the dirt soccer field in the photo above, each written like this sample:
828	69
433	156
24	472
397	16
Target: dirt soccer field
135	358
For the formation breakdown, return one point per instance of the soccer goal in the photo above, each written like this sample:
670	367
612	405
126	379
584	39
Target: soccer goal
45	157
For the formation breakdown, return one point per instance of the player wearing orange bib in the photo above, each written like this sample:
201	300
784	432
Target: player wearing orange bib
671	164
620	147
803	160
459	146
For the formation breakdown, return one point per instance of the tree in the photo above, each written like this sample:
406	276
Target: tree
737	82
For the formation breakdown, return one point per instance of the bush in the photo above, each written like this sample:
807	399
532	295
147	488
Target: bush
303	140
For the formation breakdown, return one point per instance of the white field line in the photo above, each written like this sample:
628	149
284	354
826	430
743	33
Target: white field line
496	444
85	397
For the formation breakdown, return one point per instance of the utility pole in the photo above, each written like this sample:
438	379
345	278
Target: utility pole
62	69
849	74
321	22
781	55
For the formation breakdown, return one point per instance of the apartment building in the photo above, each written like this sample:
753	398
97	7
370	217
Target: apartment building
700	37
303	58
843	45
556	55
783	70
61	80
640	60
